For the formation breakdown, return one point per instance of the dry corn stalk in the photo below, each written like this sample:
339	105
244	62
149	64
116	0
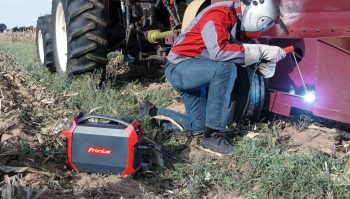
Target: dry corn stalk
25	36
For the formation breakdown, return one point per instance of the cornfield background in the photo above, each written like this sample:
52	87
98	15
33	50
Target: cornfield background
25	36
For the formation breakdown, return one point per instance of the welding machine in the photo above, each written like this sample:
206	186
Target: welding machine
109	147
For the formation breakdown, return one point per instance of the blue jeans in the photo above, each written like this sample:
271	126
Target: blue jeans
191	79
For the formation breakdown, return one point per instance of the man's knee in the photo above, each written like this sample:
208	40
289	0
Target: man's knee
174	77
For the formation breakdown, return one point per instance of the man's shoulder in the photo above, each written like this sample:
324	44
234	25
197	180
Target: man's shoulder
219	7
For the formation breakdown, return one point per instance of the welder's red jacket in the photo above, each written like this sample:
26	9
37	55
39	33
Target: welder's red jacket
211	35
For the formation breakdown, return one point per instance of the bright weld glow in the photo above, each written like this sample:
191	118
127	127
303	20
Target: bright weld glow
310	97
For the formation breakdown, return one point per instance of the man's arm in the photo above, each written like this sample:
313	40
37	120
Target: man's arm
216	36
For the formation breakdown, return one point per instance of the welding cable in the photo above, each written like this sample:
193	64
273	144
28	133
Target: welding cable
151	145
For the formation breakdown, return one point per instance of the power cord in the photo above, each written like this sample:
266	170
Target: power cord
148	144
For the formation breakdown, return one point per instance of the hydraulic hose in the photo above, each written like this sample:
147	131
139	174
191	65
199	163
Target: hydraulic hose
177	11
167	6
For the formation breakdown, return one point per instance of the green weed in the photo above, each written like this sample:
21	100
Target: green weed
260	168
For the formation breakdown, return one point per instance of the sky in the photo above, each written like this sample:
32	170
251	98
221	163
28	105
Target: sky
23	12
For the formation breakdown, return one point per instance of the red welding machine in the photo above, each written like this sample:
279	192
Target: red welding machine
110	148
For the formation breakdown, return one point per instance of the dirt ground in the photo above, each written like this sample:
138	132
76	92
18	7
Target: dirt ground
325	141
30	123
329	141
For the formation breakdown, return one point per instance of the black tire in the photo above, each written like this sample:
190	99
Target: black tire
86	29
247	98
43	30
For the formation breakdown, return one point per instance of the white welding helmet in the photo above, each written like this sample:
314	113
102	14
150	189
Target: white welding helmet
259	16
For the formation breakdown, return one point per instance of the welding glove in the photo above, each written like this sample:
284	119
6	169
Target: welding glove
255	53
267	69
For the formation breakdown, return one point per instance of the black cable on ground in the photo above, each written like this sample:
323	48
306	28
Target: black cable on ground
151	145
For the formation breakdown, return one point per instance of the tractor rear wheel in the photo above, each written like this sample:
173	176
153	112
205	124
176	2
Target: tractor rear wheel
79	35
44	42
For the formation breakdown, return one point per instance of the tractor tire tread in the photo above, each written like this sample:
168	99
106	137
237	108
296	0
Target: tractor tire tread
96	58
83	30
83	50
87	32
83	9
98	4
96	19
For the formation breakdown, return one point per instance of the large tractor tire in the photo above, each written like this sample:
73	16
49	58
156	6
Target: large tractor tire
44	42
248	95
79	35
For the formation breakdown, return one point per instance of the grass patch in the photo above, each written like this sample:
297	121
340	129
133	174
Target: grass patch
260	167
122	101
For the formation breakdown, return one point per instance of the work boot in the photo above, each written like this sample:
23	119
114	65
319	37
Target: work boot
147	108
217	143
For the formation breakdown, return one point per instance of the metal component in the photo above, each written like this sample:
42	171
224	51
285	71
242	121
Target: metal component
127	14
129	31
122	6
154	36
247	98
171	13
158	3
177	11
313	19
325	71
41	47
341	43
61	41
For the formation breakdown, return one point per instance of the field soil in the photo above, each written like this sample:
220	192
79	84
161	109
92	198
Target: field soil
32	150
30	130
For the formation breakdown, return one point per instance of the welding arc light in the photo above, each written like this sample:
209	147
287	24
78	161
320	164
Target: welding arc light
309	97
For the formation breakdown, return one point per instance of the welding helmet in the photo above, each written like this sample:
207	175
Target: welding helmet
259	16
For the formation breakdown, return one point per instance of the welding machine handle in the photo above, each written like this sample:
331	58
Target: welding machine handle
103	117
288	49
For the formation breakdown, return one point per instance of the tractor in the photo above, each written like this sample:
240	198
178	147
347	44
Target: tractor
79	34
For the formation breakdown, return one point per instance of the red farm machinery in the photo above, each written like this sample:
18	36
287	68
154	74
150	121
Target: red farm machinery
79	34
